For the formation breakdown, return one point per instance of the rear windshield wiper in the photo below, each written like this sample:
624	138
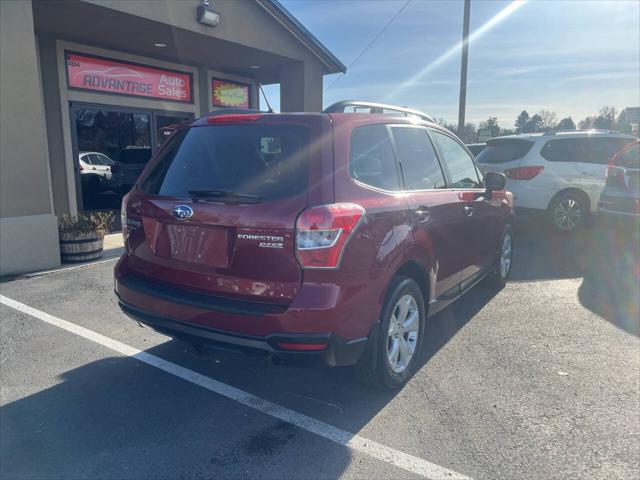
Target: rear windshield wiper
224	195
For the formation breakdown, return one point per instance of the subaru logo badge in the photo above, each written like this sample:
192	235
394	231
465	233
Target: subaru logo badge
182	212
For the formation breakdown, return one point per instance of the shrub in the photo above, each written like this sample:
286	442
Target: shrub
93	222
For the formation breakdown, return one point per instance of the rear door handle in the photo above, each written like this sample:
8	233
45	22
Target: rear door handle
422	213
589	174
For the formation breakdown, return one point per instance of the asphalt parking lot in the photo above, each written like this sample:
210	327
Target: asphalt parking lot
539	380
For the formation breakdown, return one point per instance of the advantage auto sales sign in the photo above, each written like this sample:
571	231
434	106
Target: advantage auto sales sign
87	72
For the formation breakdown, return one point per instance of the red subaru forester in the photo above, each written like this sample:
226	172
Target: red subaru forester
327	235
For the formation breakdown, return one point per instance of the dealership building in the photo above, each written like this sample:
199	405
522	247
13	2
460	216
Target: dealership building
89	77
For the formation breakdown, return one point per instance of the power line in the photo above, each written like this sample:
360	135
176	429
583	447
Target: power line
384	29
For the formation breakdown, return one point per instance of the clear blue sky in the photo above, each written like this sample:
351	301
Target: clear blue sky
571	57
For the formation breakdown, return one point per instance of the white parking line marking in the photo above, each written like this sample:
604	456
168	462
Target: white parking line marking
369	447
66	269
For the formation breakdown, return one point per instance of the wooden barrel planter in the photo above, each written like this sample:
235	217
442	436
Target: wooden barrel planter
75	248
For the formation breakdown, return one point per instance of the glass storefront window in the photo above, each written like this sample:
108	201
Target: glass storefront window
110	132
113	147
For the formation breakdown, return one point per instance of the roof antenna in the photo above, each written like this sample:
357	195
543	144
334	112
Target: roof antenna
265	97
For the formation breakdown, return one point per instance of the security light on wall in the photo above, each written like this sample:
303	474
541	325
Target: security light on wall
207	17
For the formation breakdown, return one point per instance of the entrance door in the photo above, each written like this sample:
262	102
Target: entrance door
124	139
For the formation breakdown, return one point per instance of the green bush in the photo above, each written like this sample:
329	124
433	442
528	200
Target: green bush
93	222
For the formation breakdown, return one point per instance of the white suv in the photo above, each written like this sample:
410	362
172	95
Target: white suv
560	173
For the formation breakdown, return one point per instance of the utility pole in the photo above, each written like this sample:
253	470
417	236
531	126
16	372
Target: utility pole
463	68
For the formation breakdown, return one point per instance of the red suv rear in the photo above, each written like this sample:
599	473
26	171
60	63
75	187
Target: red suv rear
328	235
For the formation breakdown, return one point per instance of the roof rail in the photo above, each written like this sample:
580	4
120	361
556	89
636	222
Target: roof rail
599	130
595	130
339	107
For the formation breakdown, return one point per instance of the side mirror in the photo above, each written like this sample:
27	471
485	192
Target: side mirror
494	181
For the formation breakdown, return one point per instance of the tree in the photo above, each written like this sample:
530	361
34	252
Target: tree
605	120
490	124
566	124
534	124
586	123
602	123
470	134
623	123
548	119
449	126
608	115
521	121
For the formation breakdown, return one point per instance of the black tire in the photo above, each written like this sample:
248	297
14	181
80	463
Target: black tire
374	366
499	277
568	212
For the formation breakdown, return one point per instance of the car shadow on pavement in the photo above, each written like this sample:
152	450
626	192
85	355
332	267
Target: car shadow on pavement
118	418
604	255
611	282
333	395
443	326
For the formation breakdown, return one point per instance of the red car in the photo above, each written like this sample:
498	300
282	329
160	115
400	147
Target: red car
330	235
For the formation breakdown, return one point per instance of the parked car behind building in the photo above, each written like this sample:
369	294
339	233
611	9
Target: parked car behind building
95	171
558	173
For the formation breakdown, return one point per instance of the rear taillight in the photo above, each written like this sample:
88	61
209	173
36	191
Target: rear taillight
322	233
123	216
238	118
81	167
615	177
523	173
129	216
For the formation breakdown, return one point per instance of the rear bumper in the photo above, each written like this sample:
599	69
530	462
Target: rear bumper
338	351
341	306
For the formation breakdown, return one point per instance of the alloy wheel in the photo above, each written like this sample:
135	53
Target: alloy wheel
568	214
403	333
505	255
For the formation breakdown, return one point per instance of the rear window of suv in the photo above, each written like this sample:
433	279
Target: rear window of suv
270	161
597	150
504	150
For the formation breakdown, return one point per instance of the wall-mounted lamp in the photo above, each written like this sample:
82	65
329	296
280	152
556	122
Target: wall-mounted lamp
206	16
